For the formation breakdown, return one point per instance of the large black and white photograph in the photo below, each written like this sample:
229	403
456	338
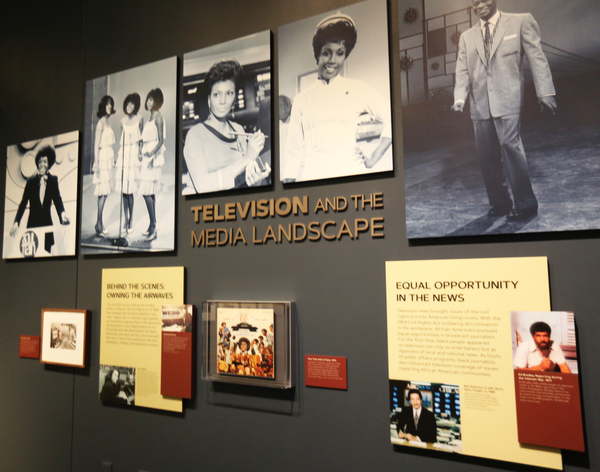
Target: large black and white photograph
40	209
500	116
129	161
226	114
334	94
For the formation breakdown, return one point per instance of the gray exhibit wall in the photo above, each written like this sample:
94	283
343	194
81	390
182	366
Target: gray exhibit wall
52	419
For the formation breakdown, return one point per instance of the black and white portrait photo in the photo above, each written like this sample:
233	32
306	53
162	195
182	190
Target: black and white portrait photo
40	215
334	94
129	161
117	384
227	116
500	116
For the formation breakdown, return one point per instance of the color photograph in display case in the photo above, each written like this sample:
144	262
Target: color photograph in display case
334	94
518	155
227	116
40	210
129	161
249	343
246	341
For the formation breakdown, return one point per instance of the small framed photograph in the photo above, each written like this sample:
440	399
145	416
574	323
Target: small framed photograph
63	337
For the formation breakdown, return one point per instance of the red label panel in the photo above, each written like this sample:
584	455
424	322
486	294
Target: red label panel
325	372
29	346
549	409
176	369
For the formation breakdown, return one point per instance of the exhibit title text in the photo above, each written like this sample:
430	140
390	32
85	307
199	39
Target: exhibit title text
143	290
330	230
448	286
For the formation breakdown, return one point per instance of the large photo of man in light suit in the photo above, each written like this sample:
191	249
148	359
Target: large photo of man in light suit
489	72
500	133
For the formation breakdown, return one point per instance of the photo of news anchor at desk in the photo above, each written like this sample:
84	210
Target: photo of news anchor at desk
413	423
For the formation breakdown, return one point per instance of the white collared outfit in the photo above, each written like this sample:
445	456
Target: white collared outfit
528	356
322	131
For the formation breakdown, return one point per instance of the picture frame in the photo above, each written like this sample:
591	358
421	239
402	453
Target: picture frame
449	191
252	357
121	389
64	337
439	428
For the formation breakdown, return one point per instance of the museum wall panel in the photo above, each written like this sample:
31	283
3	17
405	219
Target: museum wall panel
52	417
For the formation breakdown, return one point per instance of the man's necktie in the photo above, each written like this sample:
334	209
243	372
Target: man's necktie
416	421
42	189
487	40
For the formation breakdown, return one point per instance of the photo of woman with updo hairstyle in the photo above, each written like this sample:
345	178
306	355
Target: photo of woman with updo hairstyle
128	161
153	158
218	150
103	158
339	125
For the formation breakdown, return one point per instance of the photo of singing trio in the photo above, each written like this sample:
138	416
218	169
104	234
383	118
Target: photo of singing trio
129	161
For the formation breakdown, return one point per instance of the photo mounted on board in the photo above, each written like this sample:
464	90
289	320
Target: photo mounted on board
129	161
334	94
40	211
500	116
227	116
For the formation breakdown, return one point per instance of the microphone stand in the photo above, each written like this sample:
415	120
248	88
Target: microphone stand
121	241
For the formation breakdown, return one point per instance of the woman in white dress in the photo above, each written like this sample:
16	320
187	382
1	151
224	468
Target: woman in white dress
103	158
153	158
321	141
128	161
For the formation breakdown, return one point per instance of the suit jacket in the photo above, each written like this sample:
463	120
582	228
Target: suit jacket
427	430
496	89
39	213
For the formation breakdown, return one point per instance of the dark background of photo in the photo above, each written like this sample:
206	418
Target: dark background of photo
51	417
